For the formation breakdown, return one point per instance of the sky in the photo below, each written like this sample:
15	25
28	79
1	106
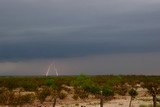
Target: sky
94	37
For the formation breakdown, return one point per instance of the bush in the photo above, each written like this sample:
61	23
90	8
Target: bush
85	83
107	91
62	95
22	99
28	86
28	98
43	93
8	97
50	83
82	81
5	96
93	89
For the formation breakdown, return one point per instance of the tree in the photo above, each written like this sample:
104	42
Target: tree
133	93
107	91
152	84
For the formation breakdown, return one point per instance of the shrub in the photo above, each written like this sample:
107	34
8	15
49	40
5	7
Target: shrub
28	98
5	96
50	83
82	81
85	84
93	89
22	99
43	93
28	86
62	95
8	97
107	91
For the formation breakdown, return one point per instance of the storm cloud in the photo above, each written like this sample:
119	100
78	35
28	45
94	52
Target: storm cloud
32	30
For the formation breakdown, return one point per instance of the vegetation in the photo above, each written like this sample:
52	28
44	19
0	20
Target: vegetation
83	85
153	86
8	97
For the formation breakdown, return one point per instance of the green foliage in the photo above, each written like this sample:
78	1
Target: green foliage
86	84
114	81
82	81
10	83
28	86
83	86
93	89
50	83
107	91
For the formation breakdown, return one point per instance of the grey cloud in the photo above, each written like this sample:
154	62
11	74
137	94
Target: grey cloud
78	43
33	29
81	36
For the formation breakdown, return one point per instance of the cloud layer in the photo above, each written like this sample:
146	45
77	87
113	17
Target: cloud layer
60	29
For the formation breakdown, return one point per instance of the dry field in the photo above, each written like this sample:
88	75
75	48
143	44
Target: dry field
80	91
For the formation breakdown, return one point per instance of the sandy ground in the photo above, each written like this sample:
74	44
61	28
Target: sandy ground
120	101
113	103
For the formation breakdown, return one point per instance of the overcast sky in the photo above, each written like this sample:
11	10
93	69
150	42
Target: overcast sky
80	36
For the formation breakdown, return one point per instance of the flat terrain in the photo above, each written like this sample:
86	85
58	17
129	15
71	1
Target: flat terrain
79	91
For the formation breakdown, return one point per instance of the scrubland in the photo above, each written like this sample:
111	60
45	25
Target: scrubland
80	91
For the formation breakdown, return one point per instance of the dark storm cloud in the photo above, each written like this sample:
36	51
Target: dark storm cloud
33	29
72	44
